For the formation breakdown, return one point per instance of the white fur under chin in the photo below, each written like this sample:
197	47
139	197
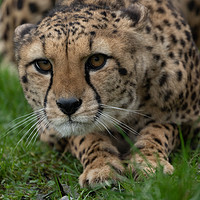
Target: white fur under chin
71	129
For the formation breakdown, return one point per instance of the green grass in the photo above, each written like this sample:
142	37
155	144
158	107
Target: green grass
32	172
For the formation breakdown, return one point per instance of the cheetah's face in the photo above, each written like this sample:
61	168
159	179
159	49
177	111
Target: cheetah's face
74	70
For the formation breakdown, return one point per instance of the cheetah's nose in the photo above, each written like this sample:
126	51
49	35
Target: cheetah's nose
69	106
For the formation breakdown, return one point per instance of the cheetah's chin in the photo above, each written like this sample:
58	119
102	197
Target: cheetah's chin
74	128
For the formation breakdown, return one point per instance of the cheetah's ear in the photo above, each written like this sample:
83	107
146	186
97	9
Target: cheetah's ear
22	30
137	13
19	36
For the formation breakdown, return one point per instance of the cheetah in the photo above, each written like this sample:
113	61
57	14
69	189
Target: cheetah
112	82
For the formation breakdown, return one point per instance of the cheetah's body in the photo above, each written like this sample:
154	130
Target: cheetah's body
151	65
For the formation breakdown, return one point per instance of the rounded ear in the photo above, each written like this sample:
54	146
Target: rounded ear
22	30
19	36
137	13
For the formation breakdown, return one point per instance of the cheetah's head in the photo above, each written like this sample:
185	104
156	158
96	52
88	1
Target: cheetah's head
76	65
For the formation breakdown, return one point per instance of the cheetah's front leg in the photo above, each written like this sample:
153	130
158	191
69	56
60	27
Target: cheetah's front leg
100	159
156	141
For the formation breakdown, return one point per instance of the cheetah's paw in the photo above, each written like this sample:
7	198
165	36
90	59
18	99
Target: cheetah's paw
101	172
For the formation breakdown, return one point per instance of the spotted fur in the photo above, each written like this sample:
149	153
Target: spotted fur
148	85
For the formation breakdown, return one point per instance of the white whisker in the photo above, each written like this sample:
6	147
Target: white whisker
26	115
106	128
29	117
137	112
26	131
97	124
45	125
35	130
120	124
19	125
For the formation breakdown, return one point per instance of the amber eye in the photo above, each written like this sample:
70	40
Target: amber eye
43	66
96	61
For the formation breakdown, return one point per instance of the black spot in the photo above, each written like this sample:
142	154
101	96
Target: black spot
75	148
171	55
188	35
183	22
191	5
173	38
197	112
111	151
178	26
166	126
80	155
81	141
91	152
20	4
149	48
147	97
161	10
52	135
24	79
93	33
7	28
113	15
33	7
190	52
93	159
182	43
158	141
122	71
115	31
166	22
94	26
163	63
156	126
155	37
156	57
186	57
179	75
83	151
168	95
197	11
87	163
184	107
105	19
7	11
88	12
159	27
197	61
148	29
180	52
194	96
188	111
162	38
23	21
103	13
163	79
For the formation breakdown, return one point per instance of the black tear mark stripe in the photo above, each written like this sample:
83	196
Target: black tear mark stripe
97	96
48	89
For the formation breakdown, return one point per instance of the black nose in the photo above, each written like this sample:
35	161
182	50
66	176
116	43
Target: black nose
69	106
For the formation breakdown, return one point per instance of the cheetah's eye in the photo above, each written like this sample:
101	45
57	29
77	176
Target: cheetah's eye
43	66
96	61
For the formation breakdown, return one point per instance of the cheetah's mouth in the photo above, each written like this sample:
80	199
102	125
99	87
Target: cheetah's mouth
72	127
